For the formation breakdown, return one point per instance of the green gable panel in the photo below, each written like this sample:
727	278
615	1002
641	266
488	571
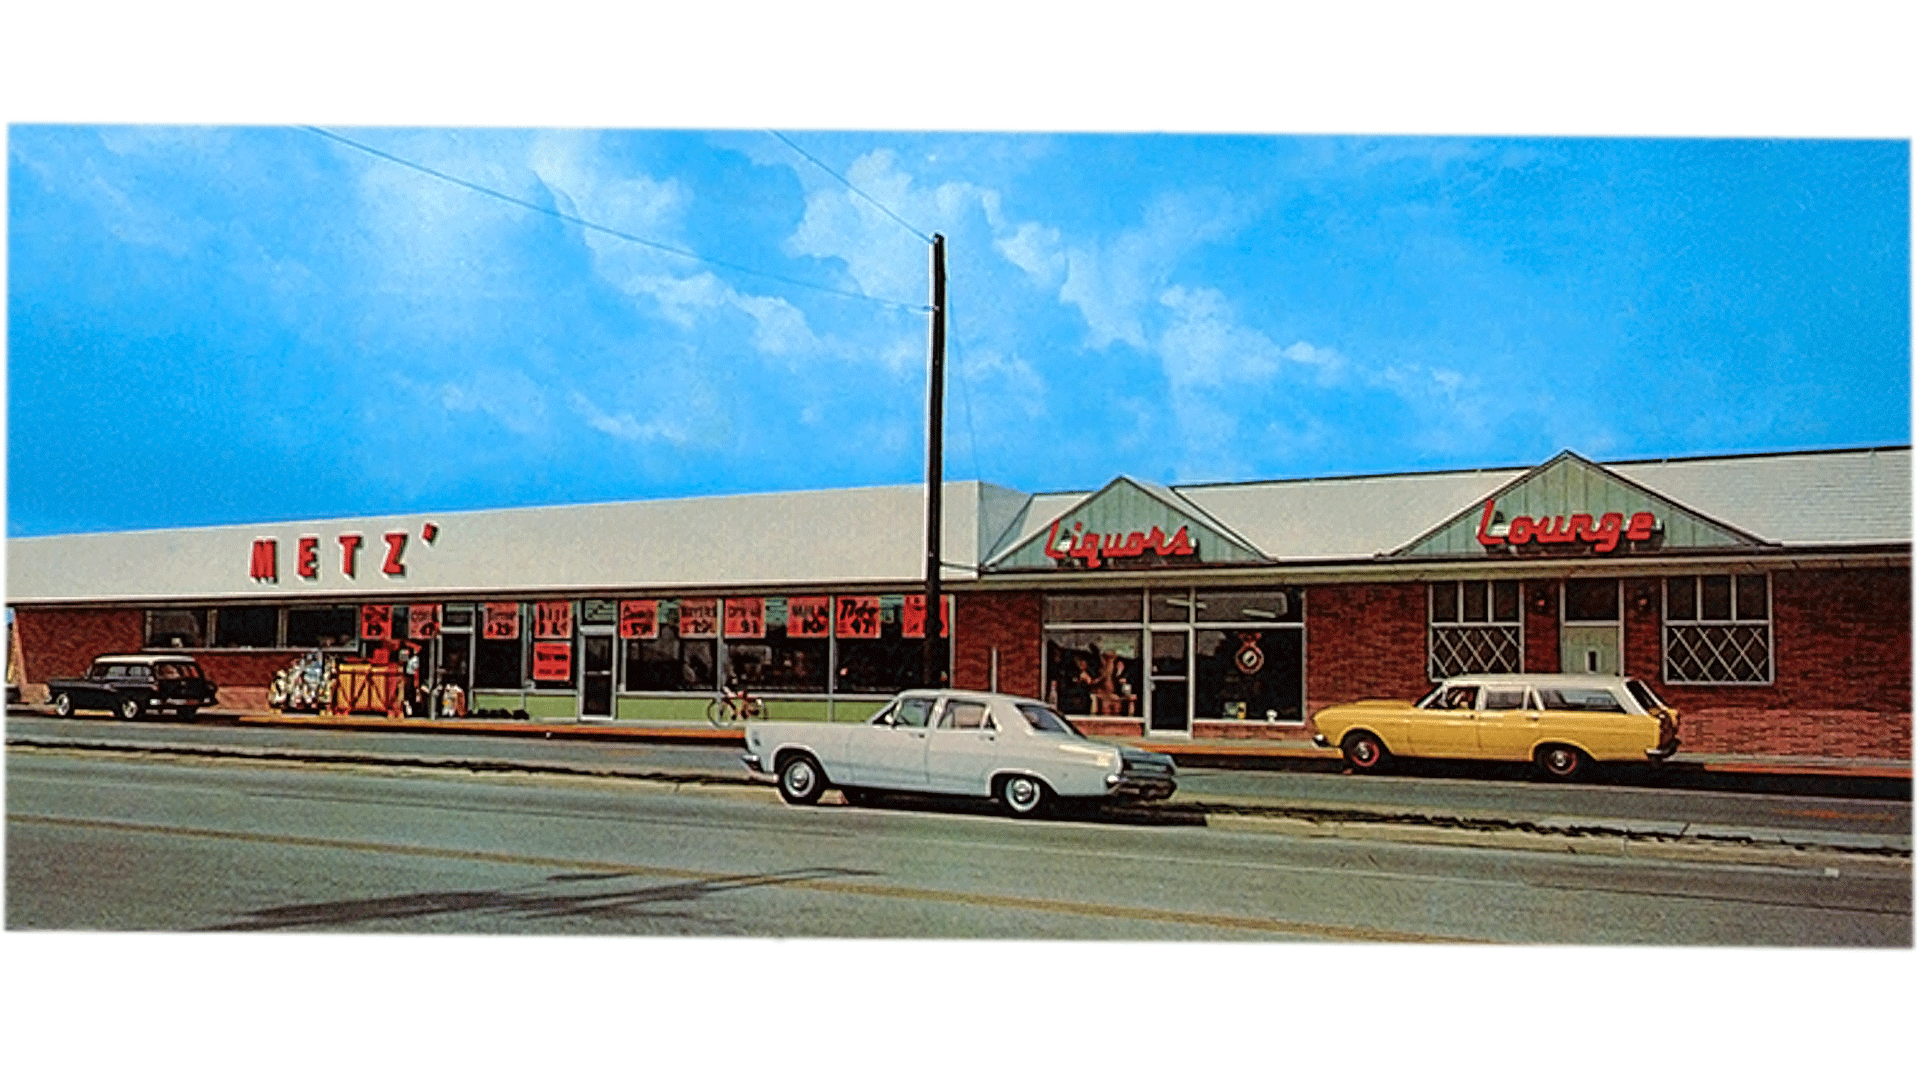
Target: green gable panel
1127	511
1570	485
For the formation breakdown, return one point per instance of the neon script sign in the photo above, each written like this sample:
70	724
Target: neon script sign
1093	547
1605	535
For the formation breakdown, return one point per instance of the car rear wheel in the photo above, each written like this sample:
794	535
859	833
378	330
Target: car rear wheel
129	708
63	706
1024	796
1560	762
1364	751
801	781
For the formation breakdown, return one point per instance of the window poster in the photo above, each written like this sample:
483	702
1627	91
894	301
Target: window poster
808	617
699	618
857	617
376	622
423	621
552	661
746	617
553	619
640	619
913	615
503	622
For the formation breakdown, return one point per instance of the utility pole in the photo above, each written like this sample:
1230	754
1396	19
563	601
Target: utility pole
932	660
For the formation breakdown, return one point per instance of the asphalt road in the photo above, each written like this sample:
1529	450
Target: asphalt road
131	842
1438	793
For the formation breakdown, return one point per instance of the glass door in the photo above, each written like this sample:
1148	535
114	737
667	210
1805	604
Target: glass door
452	674
596	675
1170	705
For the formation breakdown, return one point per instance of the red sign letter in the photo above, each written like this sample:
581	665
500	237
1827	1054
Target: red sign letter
266	559
308	561
396	543
349	547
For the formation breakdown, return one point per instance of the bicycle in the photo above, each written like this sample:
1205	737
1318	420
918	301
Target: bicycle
730	707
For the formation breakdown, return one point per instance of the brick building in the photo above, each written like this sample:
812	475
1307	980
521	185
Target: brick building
1766	596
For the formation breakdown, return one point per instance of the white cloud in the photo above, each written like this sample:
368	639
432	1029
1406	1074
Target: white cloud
624	427
512	399
1114	284
1007	382
1036	249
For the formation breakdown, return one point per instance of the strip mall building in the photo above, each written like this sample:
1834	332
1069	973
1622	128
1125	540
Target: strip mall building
1766	596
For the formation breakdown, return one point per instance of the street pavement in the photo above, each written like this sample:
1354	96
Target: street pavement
1682	807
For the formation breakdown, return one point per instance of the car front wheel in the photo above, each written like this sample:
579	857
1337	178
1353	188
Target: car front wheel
801	781
1364	751
129	708
1560	762
63	706
1024	796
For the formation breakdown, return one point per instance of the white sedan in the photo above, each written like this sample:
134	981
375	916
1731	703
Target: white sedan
1019	752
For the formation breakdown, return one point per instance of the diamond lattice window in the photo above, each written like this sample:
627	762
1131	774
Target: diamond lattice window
1473	627
1719	629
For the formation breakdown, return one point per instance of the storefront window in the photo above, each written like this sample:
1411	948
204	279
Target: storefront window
1247	674
1718	629
1093	607
1593	600
873	652
176	628
255	626
337	626
498	654
1094	672
551	660
773	659
1473	627
668	662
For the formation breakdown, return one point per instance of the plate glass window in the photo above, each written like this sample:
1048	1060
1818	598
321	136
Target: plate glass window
1718	629
1473	627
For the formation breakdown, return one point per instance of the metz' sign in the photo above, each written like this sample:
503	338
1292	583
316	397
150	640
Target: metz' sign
1605	535
1093	547
264	565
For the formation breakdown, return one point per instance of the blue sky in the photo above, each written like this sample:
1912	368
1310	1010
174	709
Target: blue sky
233	324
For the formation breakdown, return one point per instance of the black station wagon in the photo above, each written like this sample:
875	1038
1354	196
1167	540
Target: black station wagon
134	684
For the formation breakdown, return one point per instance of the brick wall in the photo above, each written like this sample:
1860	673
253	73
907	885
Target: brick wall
1007	621
61	642
1365	641
1540	626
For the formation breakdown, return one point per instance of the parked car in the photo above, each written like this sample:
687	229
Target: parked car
1017	751
1561	723
137	683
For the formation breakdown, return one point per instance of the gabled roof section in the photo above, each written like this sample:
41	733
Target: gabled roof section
1128	523
1553	496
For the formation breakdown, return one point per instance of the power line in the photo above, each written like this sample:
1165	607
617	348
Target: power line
959	376
596	227
850	187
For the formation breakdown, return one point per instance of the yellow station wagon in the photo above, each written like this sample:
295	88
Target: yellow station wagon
1561	723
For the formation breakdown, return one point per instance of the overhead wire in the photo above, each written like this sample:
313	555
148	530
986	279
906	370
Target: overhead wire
966	399
882	207
575	219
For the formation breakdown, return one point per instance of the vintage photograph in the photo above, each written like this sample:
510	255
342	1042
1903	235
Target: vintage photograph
767	532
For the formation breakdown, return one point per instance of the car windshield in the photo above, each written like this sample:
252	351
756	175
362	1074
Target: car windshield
1045	719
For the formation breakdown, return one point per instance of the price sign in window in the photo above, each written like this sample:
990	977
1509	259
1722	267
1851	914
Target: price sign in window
746	617
423	621
640	619
553	619
913	616
699	618
376	622
503	622
857	617
808	617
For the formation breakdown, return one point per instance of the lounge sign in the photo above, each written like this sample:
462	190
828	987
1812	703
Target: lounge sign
1093	548
1544	534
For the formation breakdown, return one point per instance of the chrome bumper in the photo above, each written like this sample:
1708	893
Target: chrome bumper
752	762
1664	751
1320	740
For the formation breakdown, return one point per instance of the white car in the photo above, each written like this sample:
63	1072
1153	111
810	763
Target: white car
1017	751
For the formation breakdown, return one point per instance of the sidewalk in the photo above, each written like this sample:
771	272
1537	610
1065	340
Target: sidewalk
1226	753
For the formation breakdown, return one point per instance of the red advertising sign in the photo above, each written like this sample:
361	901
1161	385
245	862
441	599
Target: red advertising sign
857	617
913	616
553	619
808	617
699	618
552	661
1604	535
1092	547
640	619
746	617
503	622
376	622
423	621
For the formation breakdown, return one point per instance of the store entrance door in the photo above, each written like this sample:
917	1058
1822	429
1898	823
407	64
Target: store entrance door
1170	705
1590	650
453	672
596	675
